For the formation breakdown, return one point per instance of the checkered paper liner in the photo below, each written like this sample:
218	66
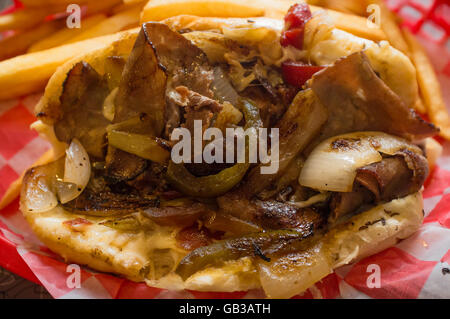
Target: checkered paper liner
415	268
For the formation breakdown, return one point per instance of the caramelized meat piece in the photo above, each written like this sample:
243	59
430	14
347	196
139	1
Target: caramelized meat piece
268	214
151	180
342	204
185	65
177	215
197	107
143	86
83	93
106	203
358	100
160	61
123	166
393	177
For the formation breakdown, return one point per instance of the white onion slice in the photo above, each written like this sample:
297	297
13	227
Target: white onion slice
77	171
39	197
333	163
292	274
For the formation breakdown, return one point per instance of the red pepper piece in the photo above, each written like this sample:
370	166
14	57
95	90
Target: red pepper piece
297	15
293	37
294	25
297	73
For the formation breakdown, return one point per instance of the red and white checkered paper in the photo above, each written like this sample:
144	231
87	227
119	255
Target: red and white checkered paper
415	268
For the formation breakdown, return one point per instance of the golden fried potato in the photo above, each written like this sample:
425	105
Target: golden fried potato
391	28
357	7
121	21
156	10
23	19
65	34
429	85
45	3
20	42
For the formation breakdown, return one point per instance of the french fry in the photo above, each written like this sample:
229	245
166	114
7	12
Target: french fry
93	6
358	7
65	34
19	43
125	6
22	19
132	1
14	189
433	151
157	10
30	72
46	3
118	22
391	28
103	6
430	88
354	24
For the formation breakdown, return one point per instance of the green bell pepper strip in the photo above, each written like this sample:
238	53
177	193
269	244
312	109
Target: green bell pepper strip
141	145
218	184
261	244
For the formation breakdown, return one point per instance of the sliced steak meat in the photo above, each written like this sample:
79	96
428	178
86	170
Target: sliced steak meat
342	204
185	65
287	93
160	61
394	177
197	107
391	178
358	100
143	85
151	180
106	203
123	166
269	214
81	117
177	215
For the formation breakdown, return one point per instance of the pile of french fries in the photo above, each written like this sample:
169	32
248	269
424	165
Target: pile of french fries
41	41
